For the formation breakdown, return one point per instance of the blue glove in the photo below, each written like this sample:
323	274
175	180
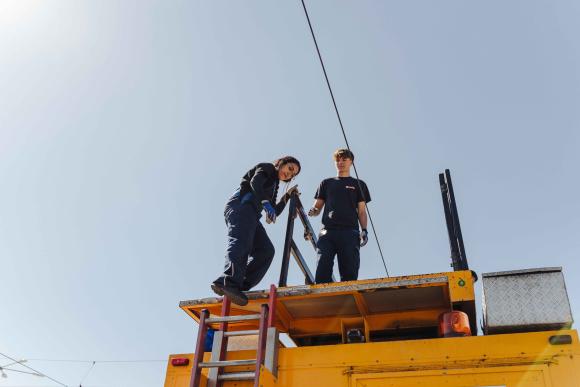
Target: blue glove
270	211
364	237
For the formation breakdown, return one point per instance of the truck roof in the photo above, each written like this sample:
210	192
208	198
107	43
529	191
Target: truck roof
384	308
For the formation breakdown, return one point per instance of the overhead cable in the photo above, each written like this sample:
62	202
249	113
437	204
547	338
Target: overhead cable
87	373
343	132
99	361
32	369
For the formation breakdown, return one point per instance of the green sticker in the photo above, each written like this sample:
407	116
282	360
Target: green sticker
461	282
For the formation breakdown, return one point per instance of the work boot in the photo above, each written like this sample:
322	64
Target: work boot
235	295
217	289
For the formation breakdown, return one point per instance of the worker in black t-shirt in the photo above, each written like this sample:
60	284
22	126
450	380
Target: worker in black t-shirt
343	198
246	235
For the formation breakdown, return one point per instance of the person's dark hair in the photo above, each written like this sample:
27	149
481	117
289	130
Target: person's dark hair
287	159
343	154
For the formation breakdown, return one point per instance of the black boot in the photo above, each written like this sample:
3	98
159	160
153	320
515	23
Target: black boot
235	295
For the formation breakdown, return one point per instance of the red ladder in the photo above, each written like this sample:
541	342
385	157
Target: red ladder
219	349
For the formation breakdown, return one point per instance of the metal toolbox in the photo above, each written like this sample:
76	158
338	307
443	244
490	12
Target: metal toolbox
525	300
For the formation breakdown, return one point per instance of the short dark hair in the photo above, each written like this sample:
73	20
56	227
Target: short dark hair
343	154
286	160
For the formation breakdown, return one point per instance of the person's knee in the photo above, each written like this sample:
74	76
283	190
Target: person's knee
324	269
324	249
269	251
349	269
264	254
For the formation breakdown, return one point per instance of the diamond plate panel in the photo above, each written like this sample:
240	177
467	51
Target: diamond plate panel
525	300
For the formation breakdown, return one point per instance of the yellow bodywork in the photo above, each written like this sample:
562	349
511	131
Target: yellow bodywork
510	360
389	311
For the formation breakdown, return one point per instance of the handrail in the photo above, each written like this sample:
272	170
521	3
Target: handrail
296	209
309	233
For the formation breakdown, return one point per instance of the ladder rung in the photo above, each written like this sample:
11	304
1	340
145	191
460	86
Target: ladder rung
227	363
242	333
243	317
237	376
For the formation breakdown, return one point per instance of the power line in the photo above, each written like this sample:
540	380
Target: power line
98	361
92	362
32	369
343	132
87	374
130	361
20	371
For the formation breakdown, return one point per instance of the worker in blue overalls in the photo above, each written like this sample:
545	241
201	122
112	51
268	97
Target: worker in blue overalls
246	235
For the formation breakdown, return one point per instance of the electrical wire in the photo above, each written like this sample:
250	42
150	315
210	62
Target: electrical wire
130	361
32	369
92	362
343	132
98	361
19	371
87	374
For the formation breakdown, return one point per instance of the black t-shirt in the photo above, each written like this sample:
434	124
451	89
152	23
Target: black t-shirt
341	196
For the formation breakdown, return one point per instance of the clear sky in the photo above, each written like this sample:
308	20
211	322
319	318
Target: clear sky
125	125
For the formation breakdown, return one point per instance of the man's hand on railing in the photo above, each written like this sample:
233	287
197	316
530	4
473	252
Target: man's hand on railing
314	211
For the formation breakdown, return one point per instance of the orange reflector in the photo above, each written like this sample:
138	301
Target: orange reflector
454	324
179	361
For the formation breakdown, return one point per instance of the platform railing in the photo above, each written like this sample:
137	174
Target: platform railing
296	210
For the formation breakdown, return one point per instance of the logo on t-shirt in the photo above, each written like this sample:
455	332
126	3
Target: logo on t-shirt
349	187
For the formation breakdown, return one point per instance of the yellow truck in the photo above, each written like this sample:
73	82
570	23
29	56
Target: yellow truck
407	331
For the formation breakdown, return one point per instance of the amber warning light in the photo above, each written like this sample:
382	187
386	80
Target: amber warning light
179	361
454	324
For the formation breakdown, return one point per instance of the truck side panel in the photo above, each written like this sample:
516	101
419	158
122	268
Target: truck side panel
532	376
509	360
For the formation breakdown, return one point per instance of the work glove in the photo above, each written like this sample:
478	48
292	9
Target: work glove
314	211
270	211
364	237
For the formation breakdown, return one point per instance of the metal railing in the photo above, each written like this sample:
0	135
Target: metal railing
296	210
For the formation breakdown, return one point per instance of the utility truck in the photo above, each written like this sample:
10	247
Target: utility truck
408	331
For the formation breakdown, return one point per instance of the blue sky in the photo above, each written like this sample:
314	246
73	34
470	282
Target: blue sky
124	126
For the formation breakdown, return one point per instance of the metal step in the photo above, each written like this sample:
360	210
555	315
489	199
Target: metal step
227	363
243	317
242	333
237	376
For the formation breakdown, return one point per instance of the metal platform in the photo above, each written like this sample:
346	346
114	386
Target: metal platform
384	308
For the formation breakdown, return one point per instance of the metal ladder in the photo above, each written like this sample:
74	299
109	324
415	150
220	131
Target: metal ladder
266	353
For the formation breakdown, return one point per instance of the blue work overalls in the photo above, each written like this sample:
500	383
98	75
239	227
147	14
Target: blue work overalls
246	238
